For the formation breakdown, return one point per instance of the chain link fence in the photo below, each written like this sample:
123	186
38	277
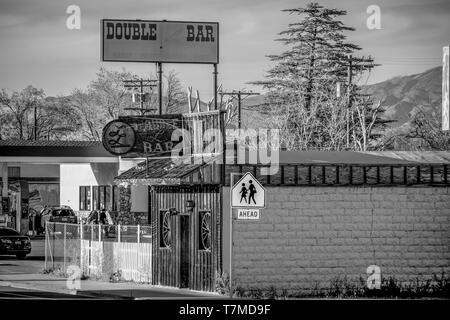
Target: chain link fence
107	252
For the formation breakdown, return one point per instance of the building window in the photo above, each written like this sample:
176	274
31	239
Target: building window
14	172
85	198
115	198
104	197
101	197
205	230
165	229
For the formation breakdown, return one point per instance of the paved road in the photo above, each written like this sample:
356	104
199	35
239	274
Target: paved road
23	273
33	263
16	293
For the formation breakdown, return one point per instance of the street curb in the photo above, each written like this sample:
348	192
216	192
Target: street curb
102	294
31	287
79	293
62	291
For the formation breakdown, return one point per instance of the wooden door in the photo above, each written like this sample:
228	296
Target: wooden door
184	251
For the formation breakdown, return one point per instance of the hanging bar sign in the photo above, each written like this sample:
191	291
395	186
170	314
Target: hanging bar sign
159	41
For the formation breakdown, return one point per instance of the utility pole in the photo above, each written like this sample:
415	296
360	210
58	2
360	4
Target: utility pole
35	122
140	84
349	102
239	95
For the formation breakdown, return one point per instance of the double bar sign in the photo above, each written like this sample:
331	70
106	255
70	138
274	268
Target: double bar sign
160	41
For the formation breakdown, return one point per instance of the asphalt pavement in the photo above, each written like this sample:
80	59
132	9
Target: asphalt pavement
8	292
24	279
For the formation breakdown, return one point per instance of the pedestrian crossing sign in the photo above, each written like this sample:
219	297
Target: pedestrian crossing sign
248	193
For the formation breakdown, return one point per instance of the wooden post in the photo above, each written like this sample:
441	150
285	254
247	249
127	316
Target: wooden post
138	233
45	247
445	173
81	246
446	89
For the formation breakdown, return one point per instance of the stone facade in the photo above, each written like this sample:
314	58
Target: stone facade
125	216
308	236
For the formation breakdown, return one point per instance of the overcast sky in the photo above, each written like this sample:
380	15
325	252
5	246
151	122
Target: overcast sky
38	49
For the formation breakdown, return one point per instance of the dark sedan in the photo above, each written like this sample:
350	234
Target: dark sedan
13	243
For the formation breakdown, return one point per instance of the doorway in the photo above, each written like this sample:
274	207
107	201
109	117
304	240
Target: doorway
184	251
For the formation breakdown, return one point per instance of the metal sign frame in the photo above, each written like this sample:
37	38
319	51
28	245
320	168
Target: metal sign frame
239	181
102	47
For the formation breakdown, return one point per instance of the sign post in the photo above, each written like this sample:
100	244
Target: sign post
247	195
161	42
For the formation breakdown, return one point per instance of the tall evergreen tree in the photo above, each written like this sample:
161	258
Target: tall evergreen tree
302	84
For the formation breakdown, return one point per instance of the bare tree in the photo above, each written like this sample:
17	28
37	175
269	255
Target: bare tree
28	114
176	98
426	131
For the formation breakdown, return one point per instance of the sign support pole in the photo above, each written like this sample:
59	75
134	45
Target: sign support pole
159	65
232	175
215	86
231	235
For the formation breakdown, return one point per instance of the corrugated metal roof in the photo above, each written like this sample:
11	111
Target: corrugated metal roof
45	143
337	157
161	171
164	171
424	157
354	157
42	148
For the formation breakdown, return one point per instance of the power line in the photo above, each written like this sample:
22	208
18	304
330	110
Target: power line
239	95
140	84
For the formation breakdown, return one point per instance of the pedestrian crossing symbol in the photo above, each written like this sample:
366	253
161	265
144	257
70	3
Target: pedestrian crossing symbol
248	193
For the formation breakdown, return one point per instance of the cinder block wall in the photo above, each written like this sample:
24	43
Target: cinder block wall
309	236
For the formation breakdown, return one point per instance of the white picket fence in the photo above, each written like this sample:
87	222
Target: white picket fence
101	251
132	260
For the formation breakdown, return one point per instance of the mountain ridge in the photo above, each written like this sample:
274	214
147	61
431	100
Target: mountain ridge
401	96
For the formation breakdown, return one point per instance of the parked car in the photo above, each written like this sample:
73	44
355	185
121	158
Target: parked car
63	214
13	243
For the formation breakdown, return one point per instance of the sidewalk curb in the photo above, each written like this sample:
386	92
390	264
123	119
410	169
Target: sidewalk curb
37	288
99	294
82	293
102	294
